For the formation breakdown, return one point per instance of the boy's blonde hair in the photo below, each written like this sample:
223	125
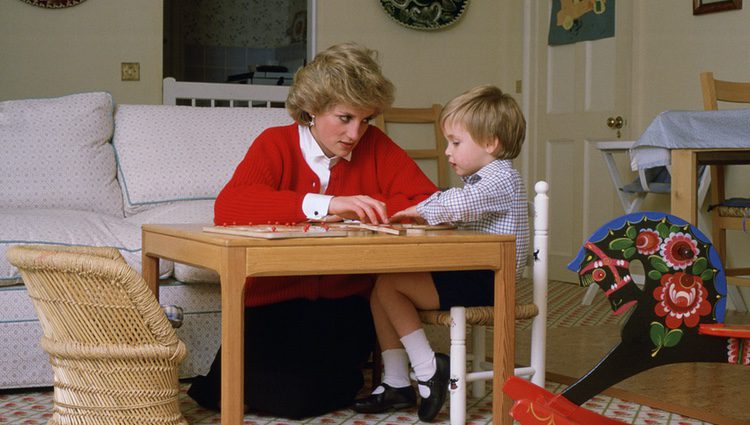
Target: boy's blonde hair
343	74
488	114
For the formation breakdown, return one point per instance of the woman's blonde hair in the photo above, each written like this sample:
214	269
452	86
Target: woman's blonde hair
343	74
488	114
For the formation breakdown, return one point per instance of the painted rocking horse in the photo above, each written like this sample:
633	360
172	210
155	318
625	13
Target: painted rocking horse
678	316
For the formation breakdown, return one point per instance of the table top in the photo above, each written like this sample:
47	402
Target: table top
194	232
725	129
355	254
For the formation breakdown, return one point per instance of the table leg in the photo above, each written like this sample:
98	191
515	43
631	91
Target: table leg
684	196
150	268
232	278
504	334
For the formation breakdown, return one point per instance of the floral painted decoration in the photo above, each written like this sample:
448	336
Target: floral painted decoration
675	298
678	269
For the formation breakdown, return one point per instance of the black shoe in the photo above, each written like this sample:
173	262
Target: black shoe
438	385
391	398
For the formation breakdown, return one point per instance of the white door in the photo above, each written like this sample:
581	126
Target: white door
574	89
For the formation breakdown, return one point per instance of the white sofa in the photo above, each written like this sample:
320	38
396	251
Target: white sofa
79	170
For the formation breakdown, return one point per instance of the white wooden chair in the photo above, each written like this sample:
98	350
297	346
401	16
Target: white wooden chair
480	317
650	180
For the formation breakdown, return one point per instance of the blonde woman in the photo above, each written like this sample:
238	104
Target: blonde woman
308	336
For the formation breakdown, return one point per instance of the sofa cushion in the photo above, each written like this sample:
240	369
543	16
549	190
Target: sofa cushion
68	227
173	153
55	153
201	211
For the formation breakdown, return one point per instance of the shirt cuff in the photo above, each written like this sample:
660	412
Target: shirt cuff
430	212
315	205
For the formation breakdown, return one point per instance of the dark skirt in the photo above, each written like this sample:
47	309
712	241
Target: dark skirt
302	358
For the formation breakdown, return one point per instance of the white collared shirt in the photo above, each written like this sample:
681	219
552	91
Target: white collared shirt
315	205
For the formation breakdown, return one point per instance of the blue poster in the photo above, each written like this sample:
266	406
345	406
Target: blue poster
581	20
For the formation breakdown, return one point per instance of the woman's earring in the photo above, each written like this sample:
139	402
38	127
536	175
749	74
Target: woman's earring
312	120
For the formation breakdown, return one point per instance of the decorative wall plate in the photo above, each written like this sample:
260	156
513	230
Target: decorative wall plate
53	4
425	14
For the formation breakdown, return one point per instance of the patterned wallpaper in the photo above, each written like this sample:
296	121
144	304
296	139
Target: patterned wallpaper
241	23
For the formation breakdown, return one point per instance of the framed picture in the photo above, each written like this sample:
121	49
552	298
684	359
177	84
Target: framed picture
701	7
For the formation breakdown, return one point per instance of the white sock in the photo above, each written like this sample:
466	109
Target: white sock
396	368
422	358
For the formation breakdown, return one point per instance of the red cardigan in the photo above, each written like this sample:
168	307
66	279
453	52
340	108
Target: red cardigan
273	179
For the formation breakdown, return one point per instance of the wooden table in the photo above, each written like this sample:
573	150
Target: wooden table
236	258
684	171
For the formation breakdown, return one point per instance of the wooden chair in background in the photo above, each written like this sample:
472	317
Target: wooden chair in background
114	354
481	317
432	150
725	218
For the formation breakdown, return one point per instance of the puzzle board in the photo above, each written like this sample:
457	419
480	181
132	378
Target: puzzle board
309	230
278	231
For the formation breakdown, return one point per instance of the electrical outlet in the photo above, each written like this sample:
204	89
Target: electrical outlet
130	71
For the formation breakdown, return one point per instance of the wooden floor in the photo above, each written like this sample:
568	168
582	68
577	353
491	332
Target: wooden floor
716	393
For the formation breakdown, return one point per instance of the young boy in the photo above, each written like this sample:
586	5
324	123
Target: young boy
485	129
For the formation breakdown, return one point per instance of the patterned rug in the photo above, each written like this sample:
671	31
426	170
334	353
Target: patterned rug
565	310
35	408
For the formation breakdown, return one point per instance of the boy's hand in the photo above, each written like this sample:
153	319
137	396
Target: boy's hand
359	207
409	214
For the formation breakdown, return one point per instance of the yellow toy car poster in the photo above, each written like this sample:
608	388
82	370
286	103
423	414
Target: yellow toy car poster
572	21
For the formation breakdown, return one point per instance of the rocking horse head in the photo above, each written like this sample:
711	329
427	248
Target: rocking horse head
684	278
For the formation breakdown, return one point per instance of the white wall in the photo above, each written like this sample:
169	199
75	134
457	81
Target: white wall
672	46
427	67
53	52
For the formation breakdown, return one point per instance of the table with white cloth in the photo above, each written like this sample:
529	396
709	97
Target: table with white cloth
683	140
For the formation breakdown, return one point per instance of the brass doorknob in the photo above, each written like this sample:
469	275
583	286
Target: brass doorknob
615	122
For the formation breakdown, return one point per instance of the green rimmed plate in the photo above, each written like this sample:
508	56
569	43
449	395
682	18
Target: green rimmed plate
425	14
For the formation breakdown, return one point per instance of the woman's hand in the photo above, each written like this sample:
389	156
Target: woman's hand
409	214
359	207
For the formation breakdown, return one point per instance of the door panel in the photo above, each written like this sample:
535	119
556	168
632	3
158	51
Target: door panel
600	72
575	88
560	153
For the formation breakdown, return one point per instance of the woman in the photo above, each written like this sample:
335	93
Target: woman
308	336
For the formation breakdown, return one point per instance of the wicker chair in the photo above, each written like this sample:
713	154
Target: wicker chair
114	354
480	317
